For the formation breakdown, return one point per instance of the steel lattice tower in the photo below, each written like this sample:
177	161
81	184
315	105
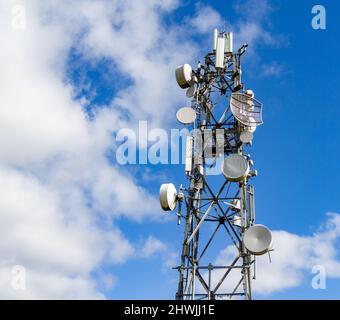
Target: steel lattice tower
213	202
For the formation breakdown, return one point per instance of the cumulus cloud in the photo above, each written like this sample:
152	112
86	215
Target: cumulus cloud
47	285
273	69
254	23
206	19
151	246
131	35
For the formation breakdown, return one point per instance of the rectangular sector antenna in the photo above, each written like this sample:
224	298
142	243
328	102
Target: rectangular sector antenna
220	52
229	42
251	203
188	155
215	38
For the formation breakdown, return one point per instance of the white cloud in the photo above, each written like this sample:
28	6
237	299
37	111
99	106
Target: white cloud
170	260
273	69
151	246
48	285
145	51
38	231
254	9
57	251
121	249
206	20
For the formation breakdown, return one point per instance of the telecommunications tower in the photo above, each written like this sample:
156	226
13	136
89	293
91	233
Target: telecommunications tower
219	198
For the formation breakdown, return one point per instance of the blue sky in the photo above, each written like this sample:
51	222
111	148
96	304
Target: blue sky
293	70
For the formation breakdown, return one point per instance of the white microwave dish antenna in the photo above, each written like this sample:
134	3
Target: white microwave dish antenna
168	196
184	76
186	115
258	239
235	167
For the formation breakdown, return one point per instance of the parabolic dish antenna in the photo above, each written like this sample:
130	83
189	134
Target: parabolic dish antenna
184	76
186	115
258	239
168	196
246	109
246	136
235	167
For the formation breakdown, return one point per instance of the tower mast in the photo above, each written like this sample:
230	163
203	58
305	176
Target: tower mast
220	197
